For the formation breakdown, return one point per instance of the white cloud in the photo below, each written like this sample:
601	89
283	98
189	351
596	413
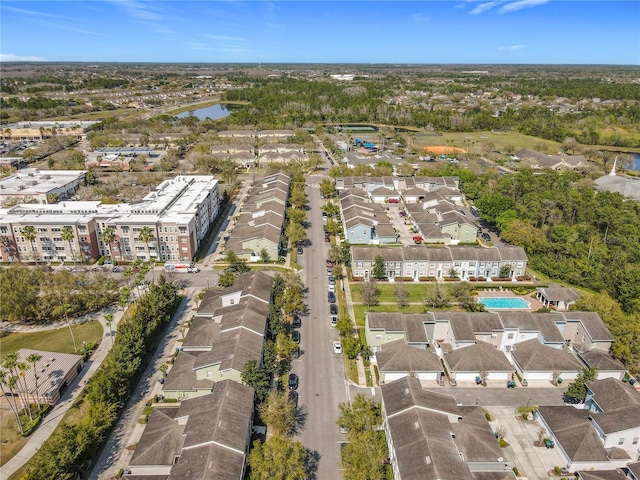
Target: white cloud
460	5
10	57
29	12
225	38
419	17
512	47
483	7
139	10
520	4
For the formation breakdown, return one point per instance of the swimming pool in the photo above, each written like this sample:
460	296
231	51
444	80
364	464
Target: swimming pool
501	303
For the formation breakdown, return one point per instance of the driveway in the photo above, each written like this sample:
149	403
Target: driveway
406	235
531	461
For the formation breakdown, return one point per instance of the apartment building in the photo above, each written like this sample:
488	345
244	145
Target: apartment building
40	186
178	212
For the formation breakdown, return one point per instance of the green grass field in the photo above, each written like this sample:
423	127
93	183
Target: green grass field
52	340
479	140
415	291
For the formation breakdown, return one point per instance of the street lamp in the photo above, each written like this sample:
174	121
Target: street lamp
207	283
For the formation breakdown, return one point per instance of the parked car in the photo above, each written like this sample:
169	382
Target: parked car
293	397
295	336
293	381
331	297
334	320
394	200
328	263
333	309
337	347
329	272
332	288
297	322
332	280
300	251
327	238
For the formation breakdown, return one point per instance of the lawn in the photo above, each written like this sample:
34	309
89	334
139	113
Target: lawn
58	340
12	442
477	140
415	292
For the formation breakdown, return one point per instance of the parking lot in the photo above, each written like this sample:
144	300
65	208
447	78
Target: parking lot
405	232
532	461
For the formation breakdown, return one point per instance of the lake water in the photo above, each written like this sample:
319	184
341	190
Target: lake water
214	112
635	163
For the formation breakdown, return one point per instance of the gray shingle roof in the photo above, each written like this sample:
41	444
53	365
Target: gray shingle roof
531	355
602	361
397	356
575	433
475	438
481	356
407	392
592	323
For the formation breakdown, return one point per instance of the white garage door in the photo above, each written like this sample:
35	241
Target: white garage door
428	376
390	377
499	376
539	376
462	376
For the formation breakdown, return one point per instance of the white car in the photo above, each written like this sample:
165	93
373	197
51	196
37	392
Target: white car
337	347
334	320
332	288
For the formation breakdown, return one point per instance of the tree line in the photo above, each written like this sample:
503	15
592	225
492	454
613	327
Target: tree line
71	451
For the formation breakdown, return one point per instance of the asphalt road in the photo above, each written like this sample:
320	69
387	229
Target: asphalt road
322	380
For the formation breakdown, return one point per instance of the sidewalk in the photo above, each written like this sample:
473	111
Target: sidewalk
56	415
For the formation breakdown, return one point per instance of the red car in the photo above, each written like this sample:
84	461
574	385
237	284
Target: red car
329	263
327	238
394	200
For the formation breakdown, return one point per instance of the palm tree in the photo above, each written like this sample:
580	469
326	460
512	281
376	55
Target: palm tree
23	367
108	236
10	363
29	233
64	309
108	318
146	235
33	359
67	236
4	382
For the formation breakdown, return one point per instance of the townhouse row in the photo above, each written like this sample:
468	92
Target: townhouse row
208	435
418	262
257	233
248	156
178	212
538	347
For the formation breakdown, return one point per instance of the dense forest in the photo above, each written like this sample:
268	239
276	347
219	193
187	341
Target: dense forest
296	102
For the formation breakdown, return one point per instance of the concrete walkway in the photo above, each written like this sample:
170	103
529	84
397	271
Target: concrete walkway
74	390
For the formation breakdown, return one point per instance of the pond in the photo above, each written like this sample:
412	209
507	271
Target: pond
213	112
635	162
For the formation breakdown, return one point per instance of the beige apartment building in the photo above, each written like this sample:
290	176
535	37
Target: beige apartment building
179	212
42	130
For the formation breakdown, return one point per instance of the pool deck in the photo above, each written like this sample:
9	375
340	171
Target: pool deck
497	293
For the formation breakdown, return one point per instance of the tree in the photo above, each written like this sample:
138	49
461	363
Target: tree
435	297
278	459
296	233
146	235
226	278
279	413
402	295
379	268
235	263
453	273
256	376
33	359
505	271
331	209
370	292
108	236
29	233
67	236
264	255
361	415
333	227
297	198
577	391
108	318
327	188
7	392
296	215
65	309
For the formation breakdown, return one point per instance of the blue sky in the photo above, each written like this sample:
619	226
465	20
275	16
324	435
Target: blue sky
456	31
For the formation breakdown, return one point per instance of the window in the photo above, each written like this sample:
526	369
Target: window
378	337
55	230
3	229
57	239
42	230
635	441
621	441
510	336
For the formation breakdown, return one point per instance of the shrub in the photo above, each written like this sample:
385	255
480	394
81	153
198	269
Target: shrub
503	443
525	416
169	400
557	470
427	279
488	416
516	472
403	279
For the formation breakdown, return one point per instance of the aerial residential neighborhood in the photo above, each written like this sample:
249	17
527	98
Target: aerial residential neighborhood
320	241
